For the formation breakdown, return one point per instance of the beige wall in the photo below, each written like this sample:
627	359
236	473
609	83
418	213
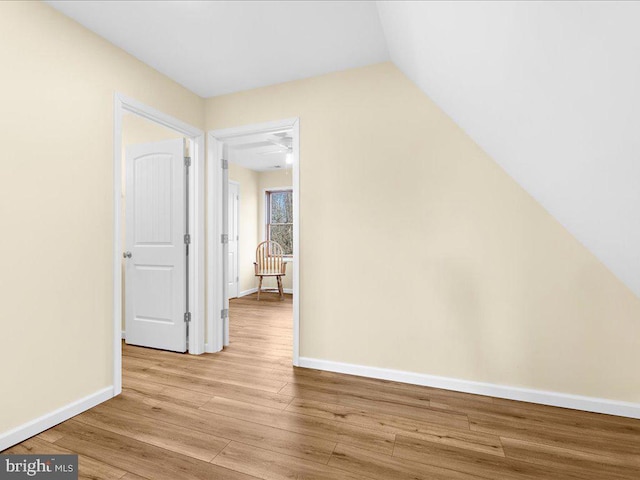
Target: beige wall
248	224
137	130
273	179
56	188
450	267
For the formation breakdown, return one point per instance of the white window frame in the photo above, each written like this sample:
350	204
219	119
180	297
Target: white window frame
267	214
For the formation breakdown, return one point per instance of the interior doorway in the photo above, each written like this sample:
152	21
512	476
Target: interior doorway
158	286
263	160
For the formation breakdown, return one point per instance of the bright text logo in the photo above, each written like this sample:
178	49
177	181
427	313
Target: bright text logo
50	467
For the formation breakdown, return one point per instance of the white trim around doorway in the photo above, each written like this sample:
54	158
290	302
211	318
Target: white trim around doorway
215	192
124	104
237	219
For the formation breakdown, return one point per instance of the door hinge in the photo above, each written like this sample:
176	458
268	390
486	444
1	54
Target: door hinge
224	164
187	161
224	313
224	238
187	239
187	317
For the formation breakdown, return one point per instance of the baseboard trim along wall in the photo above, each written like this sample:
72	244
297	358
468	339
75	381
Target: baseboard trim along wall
29	429
577	402
244	293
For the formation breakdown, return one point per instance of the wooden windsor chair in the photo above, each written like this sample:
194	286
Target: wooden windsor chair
270	263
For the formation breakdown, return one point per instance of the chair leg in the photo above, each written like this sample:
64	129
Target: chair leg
280	289
259	288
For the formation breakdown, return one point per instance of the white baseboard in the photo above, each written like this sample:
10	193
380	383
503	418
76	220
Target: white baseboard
208	349
29	429
244	293
577	402
124	334
254	290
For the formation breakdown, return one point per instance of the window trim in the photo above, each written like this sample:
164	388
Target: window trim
267	213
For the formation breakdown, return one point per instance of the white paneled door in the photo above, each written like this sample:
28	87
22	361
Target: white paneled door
232	264
155	256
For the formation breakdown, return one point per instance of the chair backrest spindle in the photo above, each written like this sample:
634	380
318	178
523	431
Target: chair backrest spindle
269	258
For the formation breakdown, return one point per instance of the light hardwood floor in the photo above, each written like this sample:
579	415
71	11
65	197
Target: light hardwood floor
246	413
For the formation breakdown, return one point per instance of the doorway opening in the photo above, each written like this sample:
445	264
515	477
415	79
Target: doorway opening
158	232
253	187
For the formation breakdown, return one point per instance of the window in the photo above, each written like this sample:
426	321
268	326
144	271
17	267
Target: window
279	216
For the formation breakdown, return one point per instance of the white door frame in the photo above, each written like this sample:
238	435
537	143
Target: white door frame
237	240
124	104
215	202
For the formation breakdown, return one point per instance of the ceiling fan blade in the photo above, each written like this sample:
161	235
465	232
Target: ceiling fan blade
284	142
274	152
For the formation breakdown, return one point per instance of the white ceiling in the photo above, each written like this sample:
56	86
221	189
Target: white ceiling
551	90
213	48
548	89
261	152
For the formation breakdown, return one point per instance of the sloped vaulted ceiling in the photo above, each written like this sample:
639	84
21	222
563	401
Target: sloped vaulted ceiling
551	90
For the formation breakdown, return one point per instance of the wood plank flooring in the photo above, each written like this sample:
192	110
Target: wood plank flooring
245	413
